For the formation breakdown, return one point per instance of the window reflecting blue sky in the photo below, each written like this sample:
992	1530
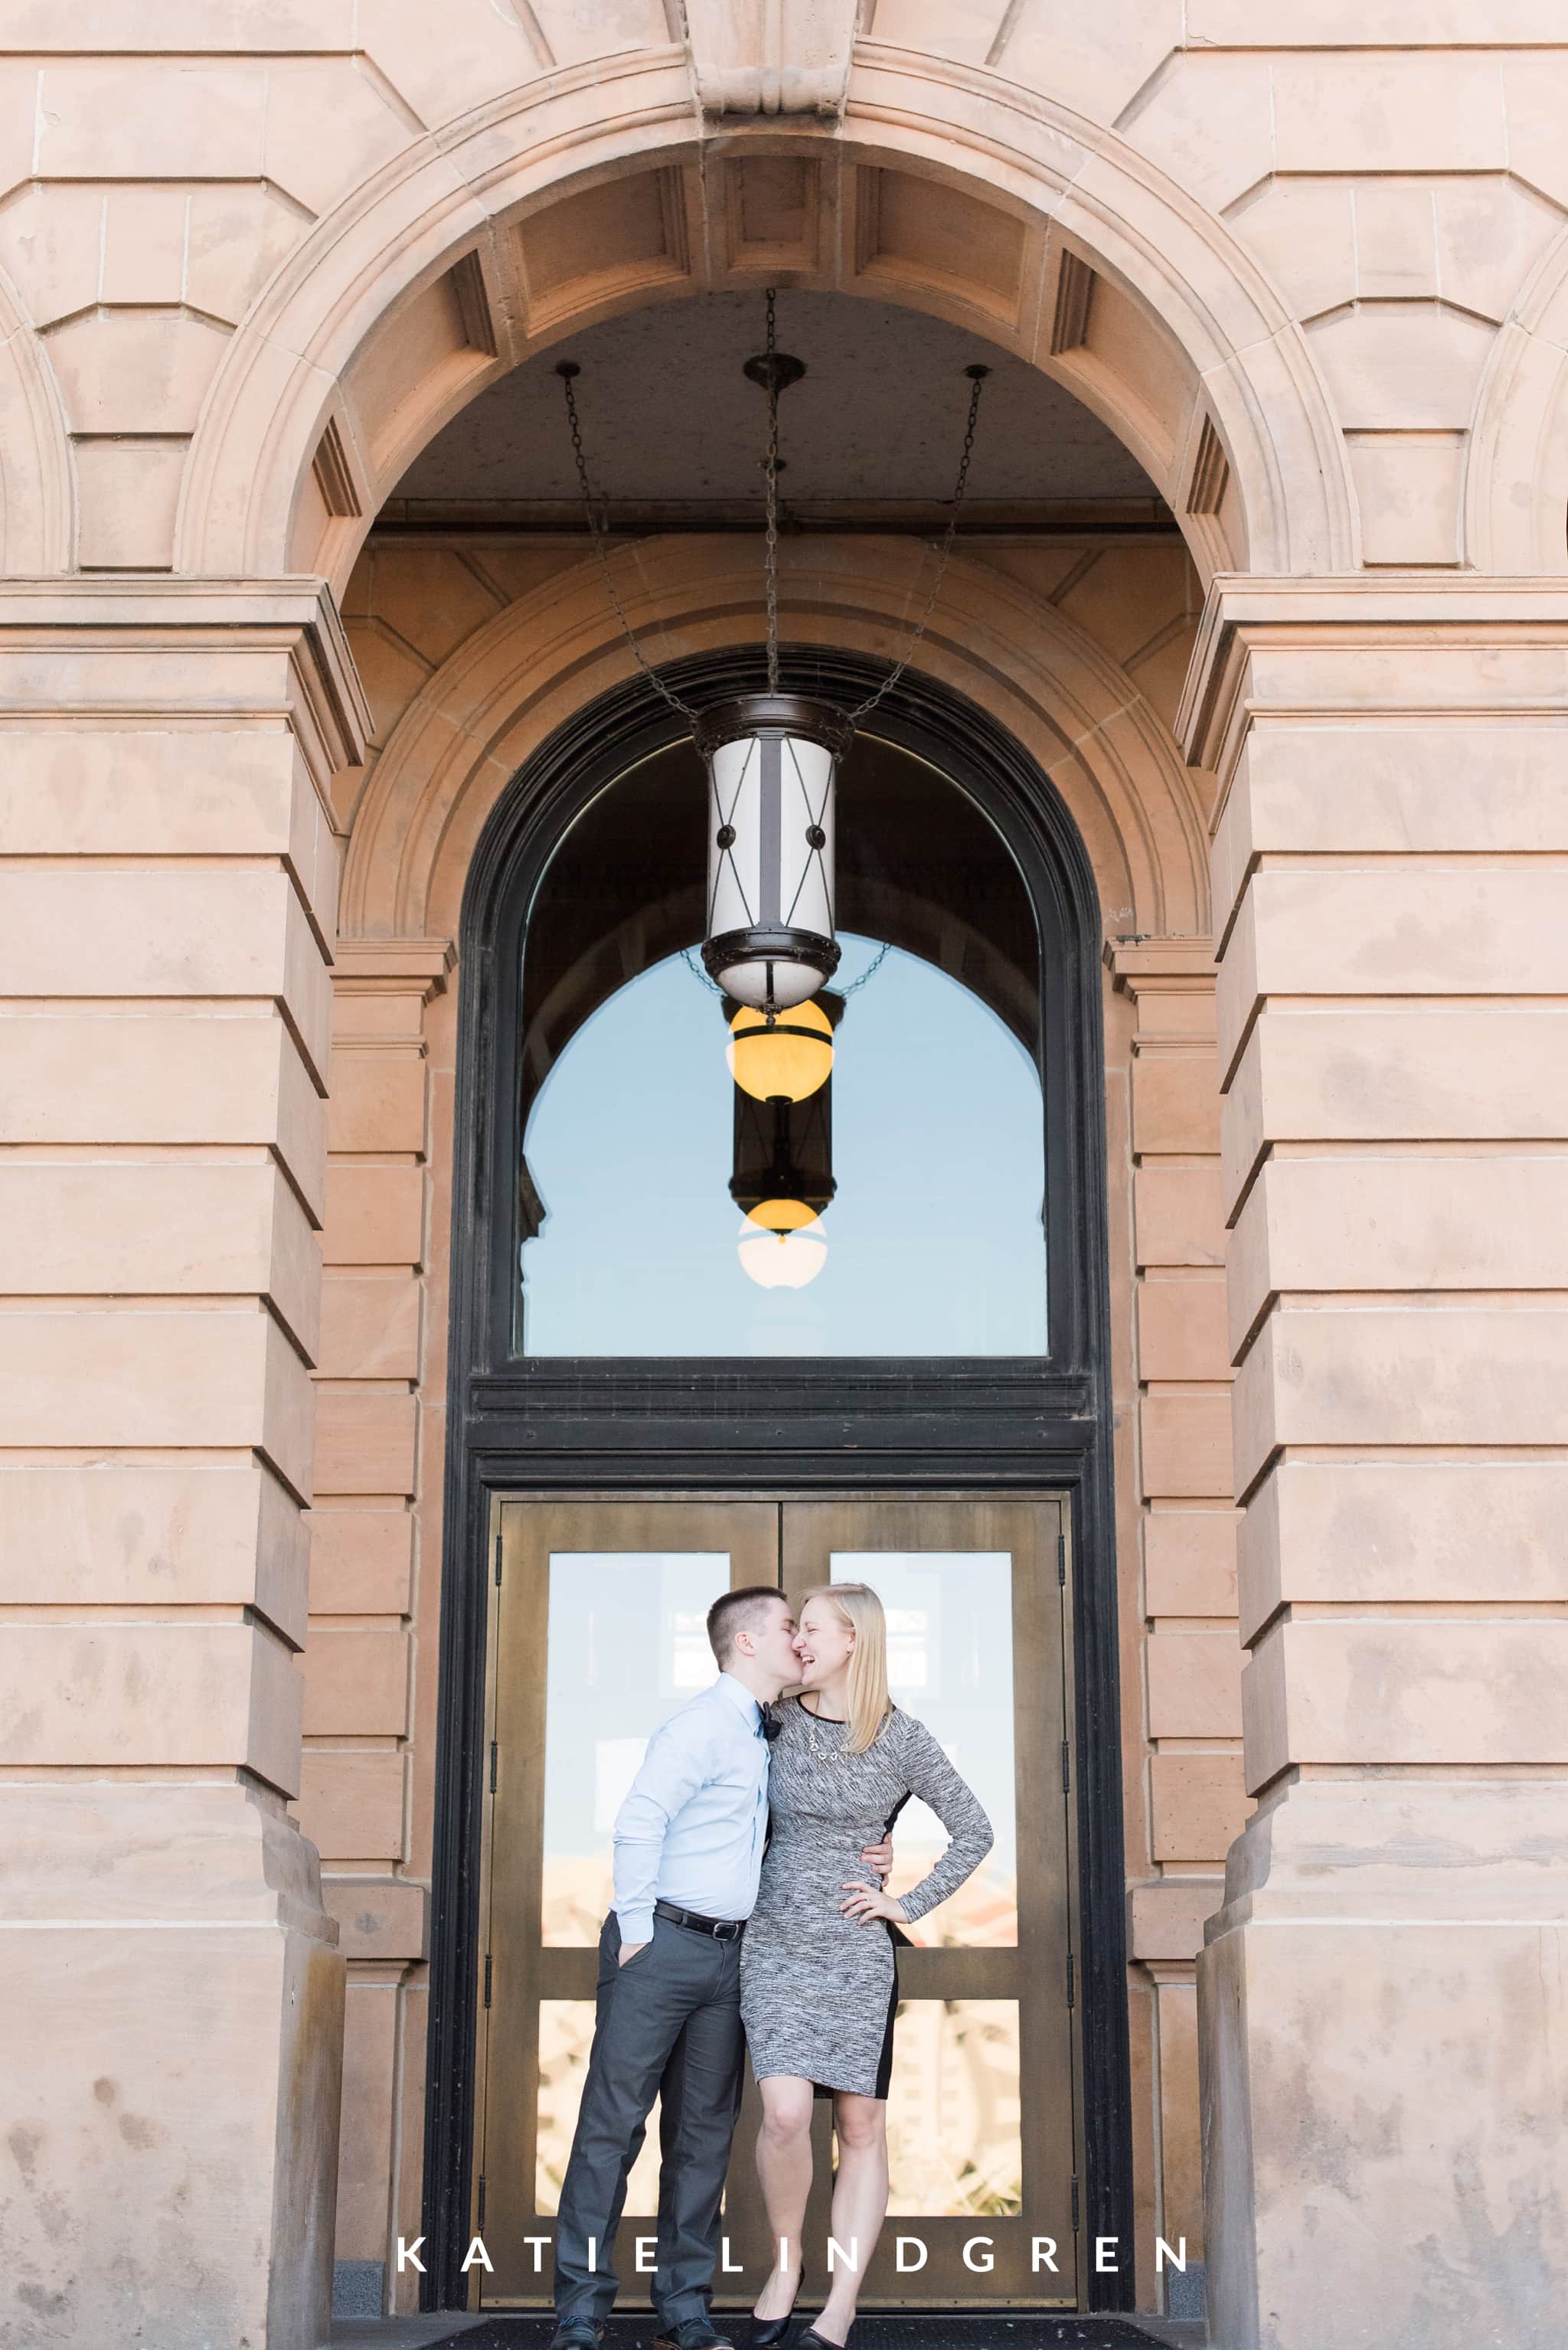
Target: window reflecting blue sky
934	1245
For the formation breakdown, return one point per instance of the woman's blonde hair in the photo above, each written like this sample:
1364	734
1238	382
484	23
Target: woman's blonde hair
859	1607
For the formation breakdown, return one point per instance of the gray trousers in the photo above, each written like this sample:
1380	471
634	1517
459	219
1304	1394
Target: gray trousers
667	2024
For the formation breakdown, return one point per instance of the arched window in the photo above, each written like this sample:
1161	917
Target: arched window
940	1389
921	1160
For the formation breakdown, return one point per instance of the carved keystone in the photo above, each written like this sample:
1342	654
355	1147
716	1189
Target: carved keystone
770	56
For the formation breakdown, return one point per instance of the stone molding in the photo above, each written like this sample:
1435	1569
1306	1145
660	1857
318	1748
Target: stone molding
1134	963
1356	610
394	966
240	622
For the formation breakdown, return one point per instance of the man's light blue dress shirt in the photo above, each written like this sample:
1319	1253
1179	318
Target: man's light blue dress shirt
692	1829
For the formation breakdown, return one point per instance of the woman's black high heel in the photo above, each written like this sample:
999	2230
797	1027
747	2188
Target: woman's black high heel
768	2333
812	2340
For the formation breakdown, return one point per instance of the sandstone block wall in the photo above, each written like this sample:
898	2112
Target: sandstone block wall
1314	275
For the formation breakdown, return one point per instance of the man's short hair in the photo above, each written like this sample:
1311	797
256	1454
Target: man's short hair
738	1611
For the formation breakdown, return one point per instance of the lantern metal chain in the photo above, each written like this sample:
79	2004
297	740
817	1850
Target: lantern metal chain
772	555
769	374
872	968
689	958
599	531
977	375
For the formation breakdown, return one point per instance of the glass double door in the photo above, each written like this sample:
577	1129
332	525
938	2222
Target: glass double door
596	1634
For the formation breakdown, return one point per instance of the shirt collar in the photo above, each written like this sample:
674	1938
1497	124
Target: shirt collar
740	1697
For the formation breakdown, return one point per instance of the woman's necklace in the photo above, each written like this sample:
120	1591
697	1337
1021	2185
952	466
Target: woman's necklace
822	1757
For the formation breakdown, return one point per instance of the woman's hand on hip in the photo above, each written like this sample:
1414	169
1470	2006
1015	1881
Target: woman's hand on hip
867	1902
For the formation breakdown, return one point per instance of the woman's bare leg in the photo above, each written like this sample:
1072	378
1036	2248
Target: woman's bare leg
784	2167
859	2203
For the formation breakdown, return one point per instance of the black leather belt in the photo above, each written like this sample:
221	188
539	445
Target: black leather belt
723	1929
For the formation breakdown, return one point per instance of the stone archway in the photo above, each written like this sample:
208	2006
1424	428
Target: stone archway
544	213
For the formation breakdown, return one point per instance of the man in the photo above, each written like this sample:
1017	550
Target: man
688	1854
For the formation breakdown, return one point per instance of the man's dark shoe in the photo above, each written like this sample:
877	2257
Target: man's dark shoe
577	2333
695	2335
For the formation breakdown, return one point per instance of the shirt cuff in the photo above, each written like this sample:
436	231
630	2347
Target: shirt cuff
637	1923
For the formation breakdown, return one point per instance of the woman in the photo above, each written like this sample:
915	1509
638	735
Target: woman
818	1987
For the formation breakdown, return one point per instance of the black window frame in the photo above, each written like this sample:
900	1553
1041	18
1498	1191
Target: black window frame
835	1424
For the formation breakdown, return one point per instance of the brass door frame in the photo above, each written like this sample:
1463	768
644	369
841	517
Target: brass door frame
524	1530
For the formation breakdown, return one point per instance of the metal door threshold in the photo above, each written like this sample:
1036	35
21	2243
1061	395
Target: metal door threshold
998	2330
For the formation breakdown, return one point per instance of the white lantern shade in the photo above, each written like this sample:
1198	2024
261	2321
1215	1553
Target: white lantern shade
771	766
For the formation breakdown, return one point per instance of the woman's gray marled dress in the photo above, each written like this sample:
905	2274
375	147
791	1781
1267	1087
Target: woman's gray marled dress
818	1988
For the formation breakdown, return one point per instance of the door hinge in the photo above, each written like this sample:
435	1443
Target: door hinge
492	1766
1074	2207
1069	1988
1064	1767
1061	1558
481	2203
498	1561
489	1976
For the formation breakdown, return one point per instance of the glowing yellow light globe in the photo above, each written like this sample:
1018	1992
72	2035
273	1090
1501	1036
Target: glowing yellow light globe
786	1061
781	1215
782	1260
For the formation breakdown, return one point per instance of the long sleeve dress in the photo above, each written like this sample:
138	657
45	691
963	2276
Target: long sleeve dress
818	1989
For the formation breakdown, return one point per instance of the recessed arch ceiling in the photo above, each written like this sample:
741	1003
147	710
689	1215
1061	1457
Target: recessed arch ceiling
668	416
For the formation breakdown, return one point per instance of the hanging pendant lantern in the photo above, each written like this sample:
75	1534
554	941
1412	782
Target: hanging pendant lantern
769	944
771	759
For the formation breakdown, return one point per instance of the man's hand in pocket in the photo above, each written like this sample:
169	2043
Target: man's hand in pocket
630	1949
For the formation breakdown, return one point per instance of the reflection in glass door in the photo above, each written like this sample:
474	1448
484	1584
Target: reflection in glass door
982	2107
596	1634
626	1645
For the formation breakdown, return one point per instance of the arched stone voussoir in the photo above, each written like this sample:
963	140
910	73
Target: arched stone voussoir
462	738
941	187
1516	473
37	479
366	263
1147	237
